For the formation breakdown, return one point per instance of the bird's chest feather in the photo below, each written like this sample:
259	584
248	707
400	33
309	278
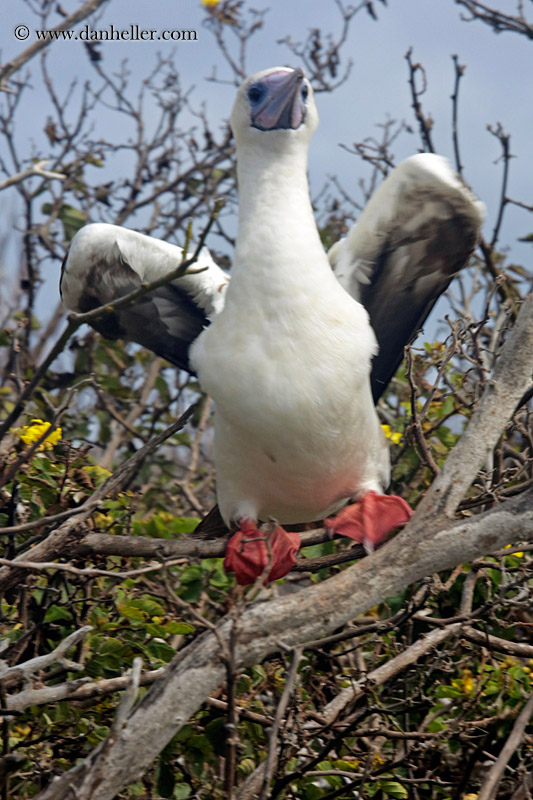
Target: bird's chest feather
290	364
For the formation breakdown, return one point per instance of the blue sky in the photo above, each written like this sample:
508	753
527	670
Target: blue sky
496	86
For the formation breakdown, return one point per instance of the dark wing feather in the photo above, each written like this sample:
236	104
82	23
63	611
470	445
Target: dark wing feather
417	232
106	262
166	321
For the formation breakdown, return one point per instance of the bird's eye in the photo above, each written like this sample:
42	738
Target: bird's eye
305	91
255	93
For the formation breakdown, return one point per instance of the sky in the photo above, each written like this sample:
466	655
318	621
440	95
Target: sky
496	87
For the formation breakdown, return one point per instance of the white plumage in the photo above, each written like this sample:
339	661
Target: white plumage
288	359
288	355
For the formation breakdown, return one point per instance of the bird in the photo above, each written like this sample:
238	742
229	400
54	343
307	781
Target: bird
297	346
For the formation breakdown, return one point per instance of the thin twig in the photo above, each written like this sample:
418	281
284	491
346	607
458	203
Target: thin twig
459	72
505	141
492	781
232	740
416	426
89	571
423	122
273	748
8	69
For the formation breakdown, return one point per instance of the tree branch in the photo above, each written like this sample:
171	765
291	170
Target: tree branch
21	672
35	169
9	69
198	670
491	782
510	379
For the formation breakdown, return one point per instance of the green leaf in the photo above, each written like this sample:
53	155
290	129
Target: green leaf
394	789
445	435
72	218
193	592
191	574
182	791
56	613
246	766
318	550
161	650
448	406
179	627
184	733
184	524
132	612
448	691
436	725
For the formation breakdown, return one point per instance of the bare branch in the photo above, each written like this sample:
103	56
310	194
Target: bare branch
35	169
519	649
425	123
496	19
197	670
491	782
21	672
9	69
38	566
273	748
459	72
511	378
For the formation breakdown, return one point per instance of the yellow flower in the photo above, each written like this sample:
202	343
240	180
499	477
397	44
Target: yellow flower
518	555
465	683
210	2
33	432
395	437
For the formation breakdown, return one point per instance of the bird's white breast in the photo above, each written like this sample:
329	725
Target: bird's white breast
287	361
296	430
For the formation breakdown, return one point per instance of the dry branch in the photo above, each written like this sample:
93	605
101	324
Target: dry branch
519	649
22	672
198	670
80	689
9	69
38	169
491	782
384	673
510	380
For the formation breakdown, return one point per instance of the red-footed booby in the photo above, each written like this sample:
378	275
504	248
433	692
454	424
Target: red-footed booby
288	355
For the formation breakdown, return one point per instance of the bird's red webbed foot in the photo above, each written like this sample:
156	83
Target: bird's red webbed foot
371	519
251	552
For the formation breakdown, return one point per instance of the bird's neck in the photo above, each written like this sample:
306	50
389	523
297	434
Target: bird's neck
276	222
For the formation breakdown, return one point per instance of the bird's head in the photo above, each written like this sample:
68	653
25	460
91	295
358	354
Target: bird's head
274	106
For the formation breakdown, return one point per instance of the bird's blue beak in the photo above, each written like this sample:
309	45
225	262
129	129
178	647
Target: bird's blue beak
278	100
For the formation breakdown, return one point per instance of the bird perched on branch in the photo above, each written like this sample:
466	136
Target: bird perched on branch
300	345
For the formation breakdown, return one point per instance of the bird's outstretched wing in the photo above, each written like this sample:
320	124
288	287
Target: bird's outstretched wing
417	232
105	262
